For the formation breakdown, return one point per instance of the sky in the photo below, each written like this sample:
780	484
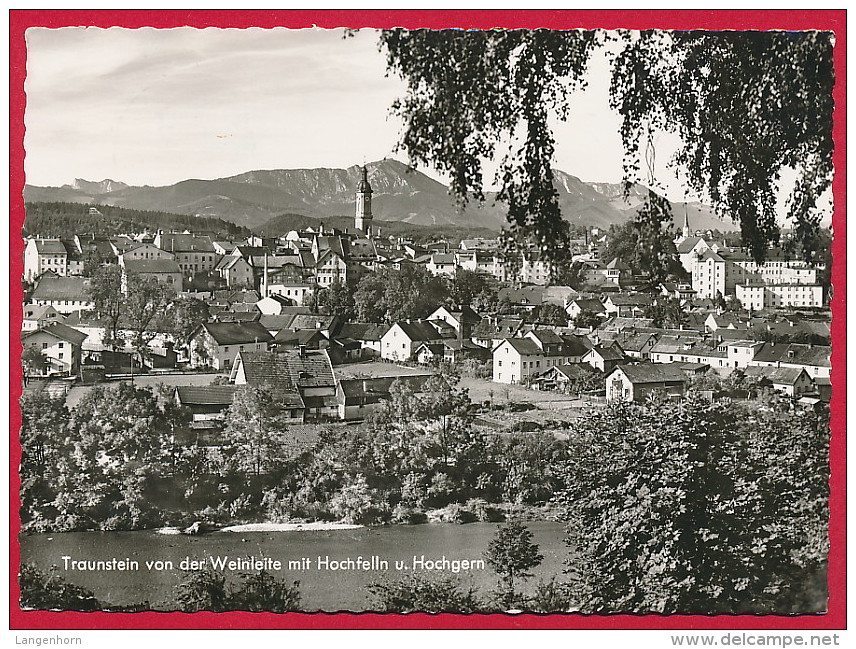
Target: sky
156	106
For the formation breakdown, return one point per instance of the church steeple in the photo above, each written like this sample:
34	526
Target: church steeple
686	230
363	218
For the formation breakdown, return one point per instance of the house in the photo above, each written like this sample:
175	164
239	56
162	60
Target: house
462	320
359	397
235	271
42	255
65	294
525	297
604	357
514	361
38	316
307	338
193	254
565	378
216	344
627	306
308	374
164	271
60	346
451	350
791	381
589	305
362	340
207	403
814	359
441	264
404	337
638	382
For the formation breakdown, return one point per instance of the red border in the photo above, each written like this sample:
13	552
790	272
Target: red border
834	20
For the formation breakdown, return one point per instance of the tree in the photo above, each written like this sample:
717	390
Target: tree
587	319
677	508
552	314
146	304
34	361
182	316
107	294
466	285
253	429
337	300
511	553
49	591
745	105
646	241
261	591
416	593
389	295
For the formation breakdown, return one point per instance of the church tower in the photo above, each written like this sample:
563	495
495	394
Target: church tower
686	230
363	219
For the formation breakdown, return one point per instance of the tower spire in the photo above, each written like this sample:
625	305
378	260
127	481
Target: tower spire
363	217
686	230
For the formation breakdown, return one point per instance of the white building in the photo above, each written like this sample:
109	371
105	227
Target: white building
764	296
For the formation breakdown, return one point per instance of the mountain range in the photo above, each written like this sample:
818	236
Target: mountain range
401	194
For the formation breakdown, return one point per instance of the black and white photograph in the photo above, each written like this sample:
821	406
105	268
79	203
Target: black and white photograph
427	321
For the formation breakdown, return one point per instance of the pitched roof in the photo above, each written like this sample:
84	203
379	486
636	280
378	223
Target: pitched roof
185	243
639	299
419	330
310	369
50	247
652	372
61	331
206	395
237	333
794	354
62	288
608	353
776	375
362	331
688	244
524	346
150	266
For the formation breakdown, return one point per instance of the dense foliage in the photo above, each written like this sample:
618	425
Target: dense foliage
698	507
389	295
49	591
65	220
208	590
746	106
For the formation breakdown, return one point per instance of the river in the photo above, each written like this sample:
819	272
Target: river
325	585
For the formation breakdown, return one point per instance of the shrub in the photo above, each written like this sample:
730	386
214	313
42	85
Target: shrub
49	591
416	592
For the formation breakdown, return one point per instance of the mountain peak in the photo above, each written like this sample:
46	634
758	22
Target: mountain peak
97	187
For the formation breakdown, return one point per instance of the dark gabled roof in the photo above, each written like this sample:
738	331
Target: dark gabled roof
50	247
362	331
419	330
205	395
688	244
639	299
237	316
524	346
547	336
575	345
144	266
608	353
528	295
589	304
372	390
62	288
310	369
776	375
237	333
61	331
794	354
652	372
312	321
571	370
299	337
185	243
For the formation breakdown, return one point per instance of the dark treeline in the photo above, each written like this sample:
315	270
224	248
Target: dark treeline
64	220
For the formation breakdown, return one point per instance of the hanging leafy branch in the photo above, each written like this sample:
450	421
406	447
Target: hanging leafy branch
746	105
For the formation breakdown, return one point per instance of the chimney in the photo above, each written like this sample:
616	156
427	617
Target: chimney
301	351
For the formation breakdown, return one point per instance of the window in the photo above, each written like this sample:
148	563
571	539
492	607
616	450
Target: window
61	345
44	345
